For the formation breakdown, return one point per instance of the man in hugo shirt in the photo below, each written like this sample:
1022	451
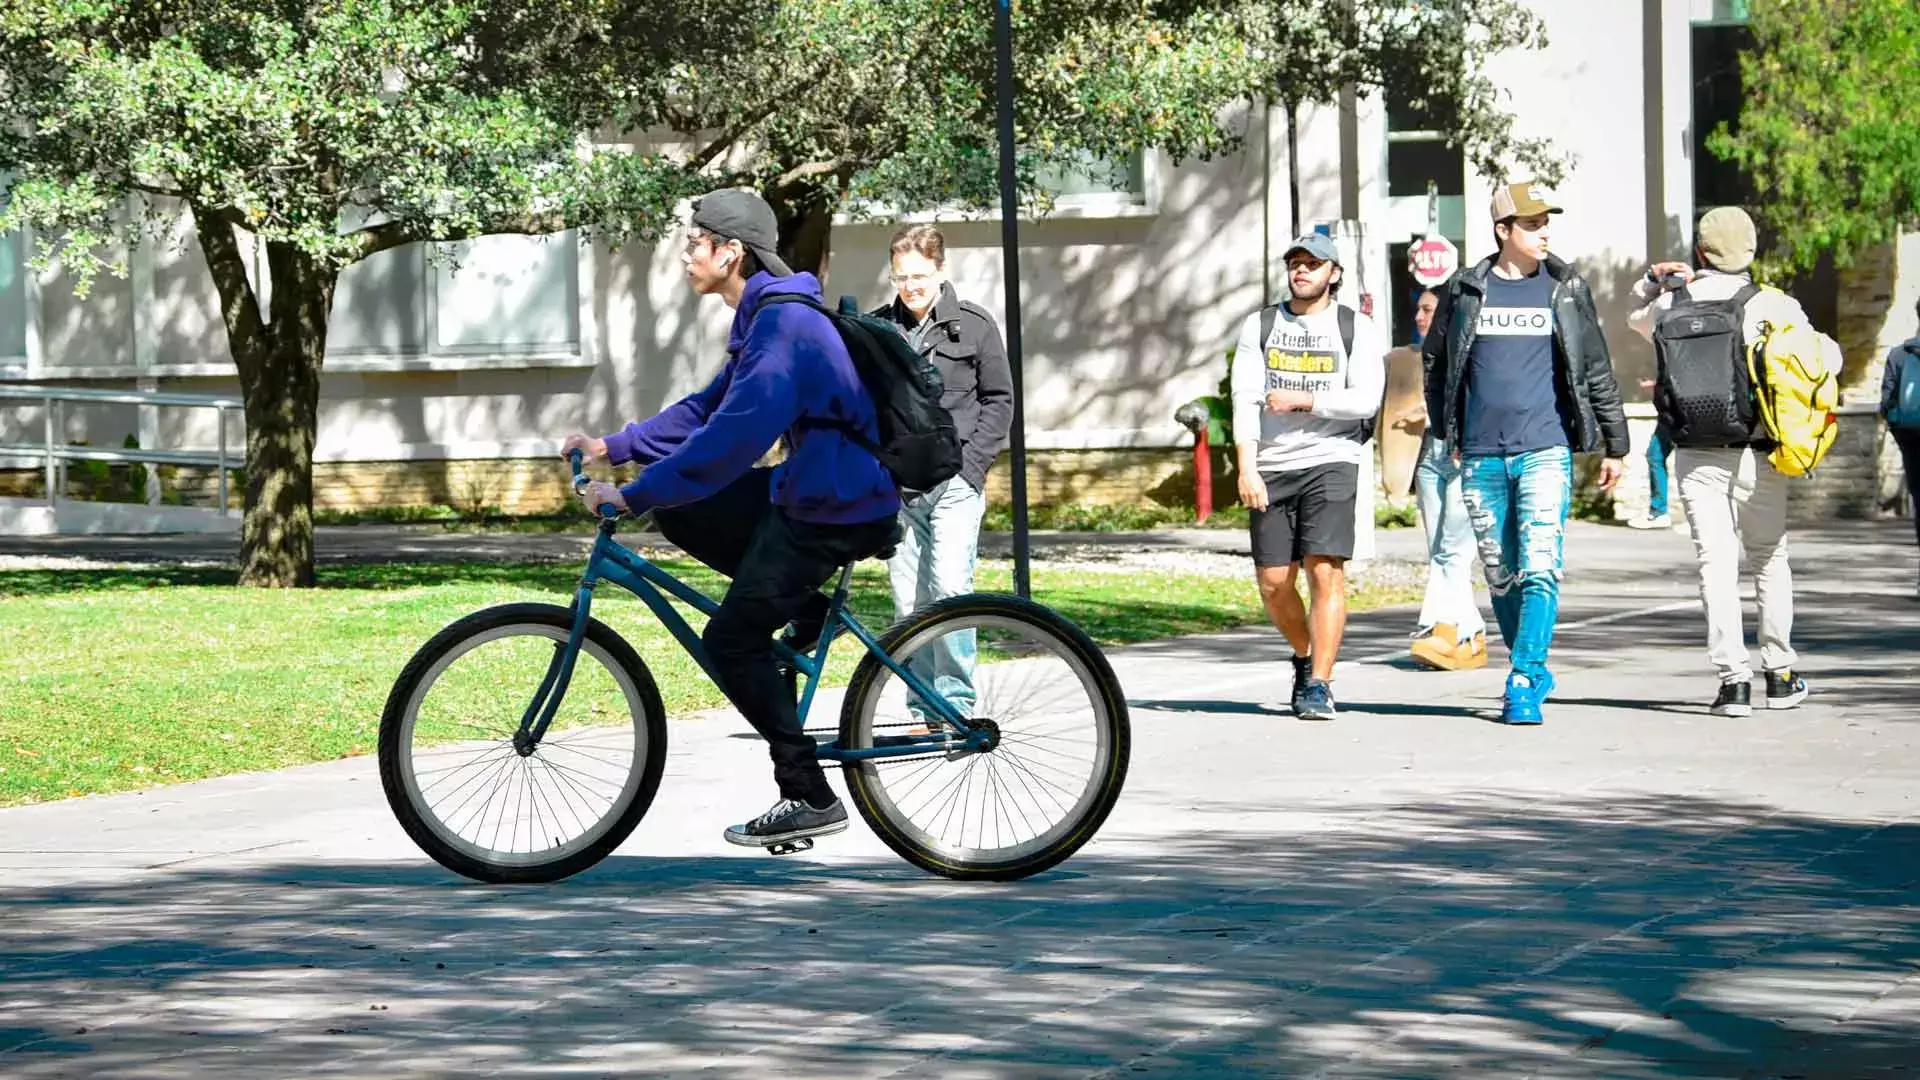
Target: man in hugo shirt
1518	380
1307	380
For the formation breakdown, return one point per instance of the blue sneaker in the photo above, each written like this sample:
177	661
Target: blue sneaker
1522	704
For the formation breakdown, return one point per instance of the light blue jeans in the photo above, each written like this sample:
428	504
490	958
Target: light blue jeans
1450	547
1518	504
939	544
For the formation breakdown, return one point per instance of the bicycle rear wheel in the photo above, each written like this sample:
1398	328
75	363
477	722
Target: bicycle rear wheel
464	793
1057	719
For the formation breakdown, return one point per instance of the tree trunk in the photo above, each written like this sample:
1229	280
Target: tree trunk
279	358
805	213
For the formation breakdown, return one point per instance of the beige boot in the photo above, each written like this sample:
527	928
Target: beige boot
1471	653
1437	648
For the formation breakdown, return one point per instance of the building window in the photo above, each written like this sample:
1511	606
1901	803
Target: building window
1717	99
1426	192
13	301
1096	180
500	296
1720	11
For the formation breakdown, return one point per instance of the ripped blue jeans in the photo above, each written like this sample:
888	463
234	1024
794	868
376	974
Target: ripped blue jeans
1518	505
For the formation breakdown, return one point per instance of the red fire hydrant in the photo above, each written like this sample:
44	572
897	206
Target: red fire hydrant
1196	416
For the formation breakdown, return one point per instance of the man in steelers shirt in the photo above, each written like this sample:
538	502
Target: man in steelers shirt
1307	381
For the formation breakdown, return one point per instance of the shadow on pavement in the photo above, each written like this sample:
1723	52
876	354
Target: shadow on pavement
1658	936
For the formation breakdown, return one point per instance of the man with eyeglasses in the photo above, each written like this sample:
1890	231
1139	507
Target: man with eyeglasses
1307	381
779	533
1518	379
940	539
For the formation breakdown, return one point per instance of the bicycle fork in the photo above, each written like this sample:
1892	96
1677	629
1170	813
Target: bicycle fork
546	700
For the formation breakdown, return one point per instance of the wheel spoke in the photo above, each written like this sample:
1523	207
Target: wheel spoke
515	817
1056	756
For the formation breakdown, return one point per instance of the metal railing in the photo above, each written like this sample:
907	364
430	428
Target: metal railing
55	452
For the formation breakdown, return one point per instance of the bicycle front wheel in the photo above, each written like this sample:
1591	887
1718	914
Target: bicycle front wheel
469	798
1051	706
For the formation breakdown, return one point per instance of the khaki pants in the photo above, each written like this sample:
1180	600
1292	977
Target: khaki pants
1735	501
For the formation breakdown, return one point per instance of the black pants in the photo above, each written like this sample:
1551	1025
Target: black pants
1908	440
777	566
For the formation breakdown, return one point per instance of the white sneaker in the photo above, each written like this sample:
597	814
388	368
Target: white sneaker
1664	521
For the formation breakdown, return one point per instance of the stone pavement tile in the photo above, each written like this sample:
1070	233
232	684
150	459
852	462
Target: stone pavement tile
1402	893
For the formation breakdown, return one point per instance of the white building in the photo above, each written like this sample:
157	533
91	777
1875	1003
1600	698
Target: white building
454	386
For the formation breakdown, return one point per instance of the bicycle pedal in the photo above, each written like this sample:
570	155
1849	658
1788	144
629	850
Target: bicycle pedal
791	847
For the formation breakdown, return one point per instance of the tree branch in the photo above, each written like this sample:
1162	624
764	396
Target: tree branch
155	189
239	305
768	108
732	135
383	237
811	170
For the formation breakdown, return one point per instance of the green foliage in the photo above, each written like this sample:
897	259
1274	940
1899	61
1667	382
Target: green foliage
1388	515
860	102
339	127
197	647
1086	517
1829	131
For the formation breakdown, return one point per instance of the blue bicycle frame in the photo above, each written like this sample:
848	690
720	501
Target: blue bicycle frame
611	561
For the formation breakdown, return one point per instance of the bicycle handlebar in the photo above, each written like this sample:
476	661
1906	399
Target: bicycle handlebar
578	459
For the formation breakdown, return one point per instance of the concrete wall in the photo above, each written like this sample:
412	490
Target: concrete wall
1127	313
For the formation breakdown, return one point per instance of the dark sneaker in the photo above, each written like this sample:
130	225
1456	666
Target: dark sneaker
1314	702
1735	699
790	819
1302	671
1785	689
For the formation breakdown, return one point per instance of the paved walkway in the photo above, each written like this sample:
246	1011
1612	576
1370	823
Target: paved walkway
1635	889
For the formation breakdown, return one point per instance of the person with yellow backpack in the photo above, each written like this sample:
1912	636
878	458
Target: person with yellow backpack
1747	388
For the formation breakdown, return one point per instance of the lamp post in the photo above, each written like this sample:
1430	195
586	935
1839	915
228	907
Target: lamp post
1010	255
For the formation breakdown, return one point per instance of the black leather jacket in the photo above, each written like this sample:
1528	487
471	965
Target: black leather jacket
1587	392
964	346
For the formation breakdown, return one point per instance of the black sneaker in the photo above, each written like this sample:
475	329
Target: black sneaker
1315	701
1302	672
1735	699
790	819
1785	689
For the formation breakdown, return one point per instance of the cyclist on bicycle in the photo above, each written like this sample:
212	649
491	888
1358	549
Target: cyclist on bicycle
778	533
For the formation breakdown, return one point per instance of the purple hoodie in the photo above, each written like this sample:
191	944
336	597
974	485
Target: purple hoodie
783	367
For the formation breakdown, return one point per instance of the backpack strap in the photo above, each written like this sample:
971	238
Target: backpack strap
851	431
1271	313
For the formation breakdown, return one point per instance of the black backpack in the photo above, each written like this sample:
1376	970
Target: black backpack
918	444
1270	314
1702	391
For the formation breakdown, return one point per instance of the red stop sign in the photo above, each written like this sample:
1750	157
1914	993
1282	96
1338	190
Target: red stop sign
1432	260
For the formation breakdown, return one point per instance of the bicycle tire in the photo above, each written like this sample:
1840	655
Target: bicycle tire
646	715
867	786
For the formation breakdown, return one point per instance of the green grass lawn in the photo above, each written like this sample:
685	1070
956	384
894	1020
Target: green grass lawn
120	679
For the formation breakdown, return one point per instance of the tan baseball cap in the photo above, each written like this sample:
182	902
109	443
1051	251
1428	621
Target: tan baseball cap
1726	239
1524	199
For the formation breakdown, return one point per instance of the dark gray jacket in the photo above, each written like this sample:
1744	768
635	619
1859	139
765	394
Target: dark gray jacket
1584	384
964	345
